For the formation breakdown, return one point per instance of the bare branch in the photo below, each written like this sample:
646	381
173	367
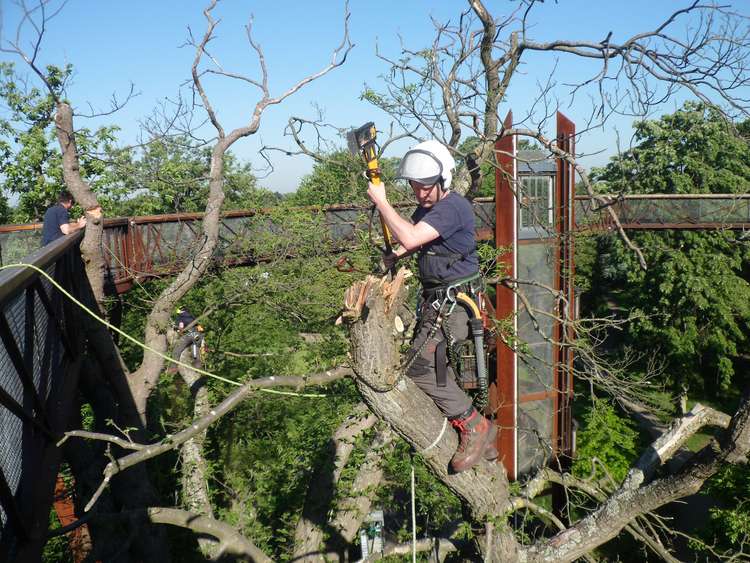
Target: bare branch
122	442
231	542
636	496
227	405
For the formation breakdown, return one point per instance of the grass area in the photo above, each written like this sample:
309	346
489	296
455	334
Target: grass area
698	441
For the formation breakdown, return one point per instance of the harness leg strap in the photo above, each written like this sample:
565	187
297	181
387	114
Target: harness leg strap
441	363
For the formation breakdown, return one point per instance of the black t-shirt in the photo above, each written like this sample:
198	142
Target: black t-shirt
185	318
54	217
453	255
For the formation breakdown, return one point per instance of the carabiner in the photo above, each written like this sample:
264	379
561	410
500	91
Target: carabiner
450	296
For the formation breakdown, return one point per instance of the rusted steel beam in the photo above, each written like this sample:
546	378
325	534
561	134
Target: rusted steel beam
14	228
136	247
503	389
79	538
538	396
563	423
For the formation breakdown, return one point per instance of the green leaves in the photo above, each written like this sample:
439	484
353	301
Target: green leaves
729	521
165	175
694	150
608	438
691	308
340	180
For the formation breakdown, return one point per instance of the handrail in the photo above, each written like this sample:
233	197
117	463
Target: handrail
194	216
14	281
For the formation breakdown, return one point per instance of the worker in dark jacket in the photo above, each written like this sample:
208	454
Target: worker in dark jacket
56	219
441	232
190	334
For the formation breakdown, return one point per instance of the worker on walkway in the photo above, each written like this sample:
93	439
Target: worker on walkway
442	234
190	334
57	219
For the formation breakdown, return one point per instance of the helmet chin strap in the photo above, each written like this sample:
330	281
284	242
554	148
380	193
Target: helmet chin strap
443	190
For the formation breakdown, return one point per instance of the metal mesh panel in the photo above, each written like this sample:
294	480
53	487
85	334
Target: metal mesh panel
675	212
38	342
16	245
9	380
11	437
46	347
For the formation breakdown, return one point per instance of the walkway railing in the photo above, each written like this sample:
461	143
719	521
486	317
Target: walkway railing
667	211
143	247
138	248
39	363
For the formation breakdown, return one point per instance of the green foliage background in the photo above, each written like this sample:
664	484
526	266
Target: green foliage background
693	302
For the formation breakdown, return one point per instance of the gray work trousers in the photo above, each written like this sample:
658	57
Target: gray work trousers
451	399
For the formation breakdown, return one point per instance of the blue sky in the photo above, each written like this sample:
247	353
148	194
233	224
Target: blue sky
112	44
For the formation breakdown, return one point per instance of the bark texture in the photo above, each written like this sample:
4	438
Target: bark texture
195	493
91	247
356	505
313	525
638	495
349	512
232	545
145	378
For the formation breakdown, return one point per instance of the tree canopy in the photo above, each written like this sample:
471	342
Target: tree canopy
693	302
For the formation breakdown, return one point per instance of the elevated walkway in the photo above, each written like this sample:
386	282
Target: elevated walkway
40	362
667	211
143	247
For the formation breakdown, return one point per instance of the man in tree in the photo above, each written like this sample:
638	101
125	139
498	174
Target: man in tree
190	334
56	219
442	232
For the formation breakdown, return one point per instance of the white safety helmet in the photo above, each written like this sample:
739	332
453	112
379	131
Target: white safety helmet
427	163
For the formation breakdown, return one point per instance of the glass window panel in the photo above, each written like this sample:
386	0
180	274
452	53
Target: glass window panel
534	434
535	263
536	202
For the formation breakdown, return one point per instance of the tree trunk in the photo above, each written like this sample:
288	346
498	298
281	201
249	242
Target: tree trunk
159	319
353	509
195	495
91	247
315	524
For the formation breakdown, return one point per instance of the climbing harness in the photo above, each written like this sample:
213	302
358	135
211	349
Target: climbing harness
467	357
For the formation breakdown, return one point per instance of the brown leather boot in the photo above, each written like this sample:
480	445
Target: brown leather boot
476	440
